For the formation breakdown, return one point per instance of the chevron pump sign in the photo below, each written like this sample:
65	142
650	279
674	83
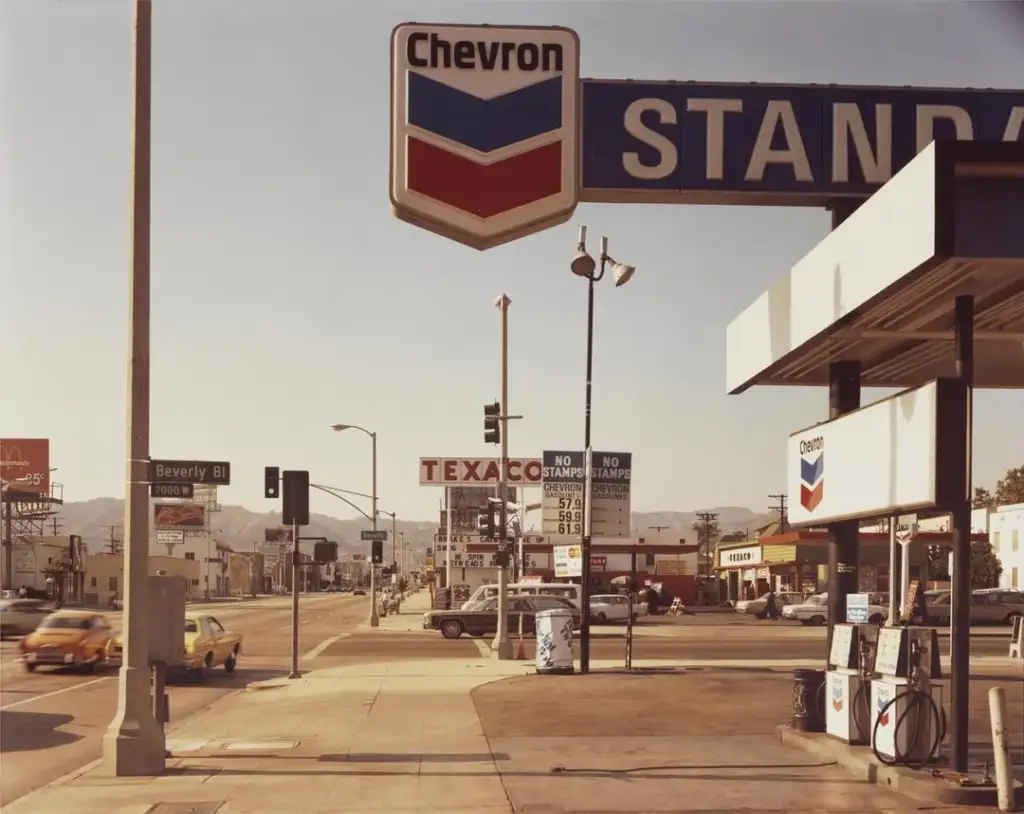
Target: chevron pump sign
483	129
812	473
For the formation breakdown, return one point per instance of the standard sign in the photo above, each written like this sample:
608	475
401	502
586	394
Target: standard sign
170	536
564	483
373	535
568	561
171	490
562	496
212	473
479	472
610	495
885	458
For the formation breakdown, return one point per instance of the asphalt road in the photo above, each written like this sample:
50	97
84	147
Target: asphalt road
52	721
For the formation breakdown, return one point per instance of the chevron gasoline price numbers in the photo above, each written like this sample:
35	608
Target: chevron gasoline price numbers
562	495
564	474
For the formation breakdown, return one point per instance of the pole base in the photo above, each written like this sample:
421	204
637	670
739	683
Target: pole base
374	620
501	649
134	748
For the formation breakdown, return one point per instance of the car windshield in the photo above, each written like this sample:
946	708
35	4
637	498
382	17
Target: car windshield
191	626
66	622
818	599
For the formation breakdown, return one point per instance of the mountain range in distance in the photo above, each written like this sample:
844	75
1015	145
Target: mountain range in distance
240	528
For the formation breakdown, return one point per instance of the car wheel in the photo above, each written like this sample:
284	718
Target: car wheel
231	661
816	620
30	666
633	618
451	628
1011	618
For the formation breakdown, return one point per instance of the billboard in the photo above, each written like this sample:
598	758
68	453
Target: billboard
479	471
278	536
883	459
483	129
25	464
177	515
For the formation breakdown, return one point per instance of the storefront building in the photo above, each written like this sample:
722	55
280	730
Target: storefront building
798	562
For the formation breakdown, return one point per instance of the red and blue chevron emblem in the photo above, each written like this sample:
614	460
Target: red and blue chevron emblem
484	129
812	480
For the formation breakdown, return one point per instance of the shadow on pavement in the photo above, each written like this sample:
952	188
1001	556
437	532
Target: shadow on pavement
483	757
219	678
32	731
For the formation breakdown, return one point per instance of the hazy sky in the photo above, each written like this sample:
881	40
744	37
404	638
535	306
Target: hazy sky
287	297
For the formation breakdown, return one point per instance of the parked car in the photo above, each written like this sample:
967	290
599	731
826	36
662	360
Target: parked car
68	638
208	644
481	618
360	591
814	611
611	608
758	607
988	606
19	617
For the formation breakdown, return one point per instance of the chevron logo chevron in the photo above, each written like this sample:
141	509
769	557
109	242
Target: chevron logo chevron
812	481
483	135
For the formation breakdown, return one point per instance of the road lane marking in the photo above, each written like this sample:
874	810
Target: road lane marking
483	647
53	693
320	648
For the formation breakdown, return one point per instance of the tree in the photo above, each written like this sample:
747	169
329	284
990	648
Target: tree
707	533
982	498
1010	488
985	567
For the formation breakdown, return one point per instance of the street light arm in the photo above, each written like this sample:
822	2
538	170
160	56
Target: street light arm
332	493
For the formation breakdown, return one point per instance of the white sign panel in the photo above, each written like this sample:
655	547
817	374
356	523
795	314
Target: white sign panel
170	536
562	498
24	561
906	528
568	561
478	471
739	557
880	459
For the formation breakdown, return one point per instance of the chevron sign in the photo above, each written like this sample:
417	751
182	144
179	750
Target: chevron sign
483	129
812	473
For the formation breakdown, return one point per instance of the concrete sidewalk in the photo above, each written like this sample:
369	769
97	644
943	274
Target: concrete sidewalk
483	736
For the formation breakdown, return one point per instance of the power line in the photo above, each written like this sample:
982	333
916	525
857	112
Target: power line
781	509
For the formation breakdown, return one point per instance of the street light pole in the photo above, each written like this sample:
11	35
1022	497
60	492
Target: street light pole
134	743
502	647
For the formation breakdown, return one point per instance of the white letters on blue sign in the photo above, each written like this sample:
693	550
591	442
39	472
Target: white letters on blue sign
850	137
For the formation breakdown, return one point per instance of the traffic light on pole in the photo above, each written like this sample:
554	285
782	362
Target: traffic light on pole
271	481
376	551
492	423
485	523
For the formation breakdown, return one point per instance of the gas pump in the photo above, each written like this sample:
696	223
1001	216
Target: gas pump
906	703
848	682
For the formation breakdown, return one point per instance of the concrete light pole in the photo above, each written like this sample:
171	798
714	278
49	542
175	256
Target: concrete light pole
373	620
134	743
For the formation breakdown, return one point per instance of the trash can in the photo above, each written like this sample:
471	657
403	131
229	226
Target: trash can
554	642
809	700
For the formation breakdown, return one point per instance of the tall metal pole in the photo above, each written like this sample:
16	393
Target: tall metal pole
585	531
134	743
374	620
894	603
448	544
960	616
502	646
295	602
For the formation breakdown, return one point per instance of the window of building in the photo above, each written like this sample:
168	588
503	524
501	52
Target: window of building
92	582
190	555
1014	540
113	584
1014	576
195	582
648	559
995	542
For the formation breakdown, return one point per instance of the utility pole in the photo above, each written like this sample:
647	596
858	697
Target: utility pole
781	509
114	540
707	518
502	645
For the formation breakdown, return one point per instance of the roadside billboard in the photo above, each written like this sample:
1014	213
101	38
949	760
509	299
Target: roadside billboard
25	464
278	536
178	515
479	471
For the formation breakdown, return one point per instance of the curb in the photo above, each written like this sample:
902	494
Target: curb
920	785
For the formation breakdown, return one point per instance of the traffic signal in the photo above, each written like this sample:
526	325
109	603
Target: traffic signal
377	552
295	498
492	423
485	523
385	572
271	481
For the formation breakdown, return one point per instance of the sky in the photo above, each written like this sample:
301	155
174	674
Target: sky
287	297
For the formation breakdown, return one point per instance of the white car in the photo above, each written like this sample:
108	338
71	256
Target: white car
757	607
606	608
815	611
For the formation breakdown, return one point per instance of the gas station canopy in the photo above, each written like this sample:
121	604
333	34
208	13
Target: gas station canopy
880	289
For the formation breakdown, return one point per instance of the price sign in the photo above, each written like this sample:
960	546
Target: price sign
562	496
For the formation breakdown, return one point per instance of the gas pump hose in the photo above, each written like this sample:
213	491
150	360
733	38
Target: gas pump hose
922	703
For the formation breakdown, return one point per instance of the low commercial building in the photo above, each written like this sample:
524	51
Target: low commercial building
1005	527
798	561
104	576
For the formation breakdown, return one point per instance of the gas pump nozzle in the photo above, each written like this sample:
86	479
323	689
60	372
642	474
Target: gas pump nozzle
865	665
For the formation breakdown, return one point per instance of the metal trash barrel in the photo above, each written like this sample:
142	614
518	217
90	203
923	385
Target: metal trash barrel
809	700
554	642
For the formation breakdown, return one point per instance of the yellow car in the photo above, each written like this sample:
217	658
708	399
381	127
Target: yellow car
207	645
68	638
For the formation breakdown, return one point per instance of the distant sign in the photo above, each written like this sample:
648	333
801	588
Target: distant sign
373	535
278	536
25	465
567	561
170	536
478	471
906	529
213	473
858	608
179	514
171	490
